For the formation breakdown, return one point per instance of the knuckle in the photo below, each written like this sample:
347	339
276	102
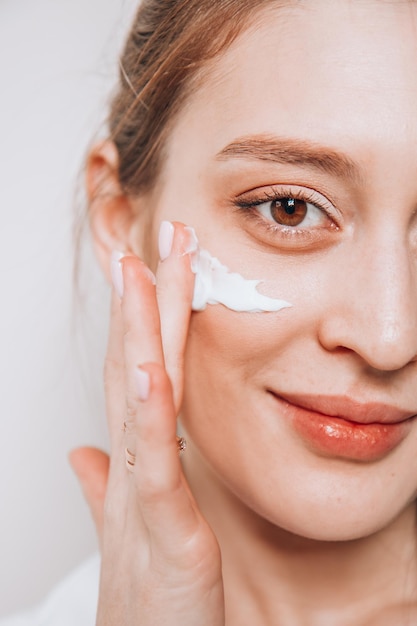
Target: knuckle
150	489
161	290
129	427
131	409
128	332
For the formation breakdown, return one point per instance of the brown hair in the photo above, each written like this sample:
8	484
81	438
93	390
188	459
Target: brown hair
169	42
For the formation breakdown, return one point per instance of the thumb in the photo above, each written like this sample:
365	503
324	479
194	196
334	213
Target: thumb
91	466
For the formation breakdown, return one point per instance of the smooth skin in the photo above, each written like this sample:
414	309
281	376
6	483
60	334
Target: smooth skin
305	539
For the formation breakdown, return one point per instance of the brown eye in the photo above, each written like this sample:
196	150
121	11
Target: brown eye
291	213
288	211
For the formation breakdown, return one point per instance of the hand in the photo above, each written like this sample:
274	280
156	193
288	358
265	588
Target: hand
160	560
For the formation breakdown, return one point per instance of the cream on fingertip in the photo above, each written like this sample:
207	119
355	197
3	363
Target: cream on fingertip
192	244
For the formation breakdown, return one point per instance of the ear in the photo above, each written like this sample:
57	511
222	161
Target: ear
113	215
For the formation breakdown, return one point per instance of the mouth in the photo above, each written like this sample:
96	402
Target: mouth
339	427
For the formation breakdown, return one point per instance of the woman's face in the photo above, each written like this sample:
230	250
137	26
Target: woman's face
318	103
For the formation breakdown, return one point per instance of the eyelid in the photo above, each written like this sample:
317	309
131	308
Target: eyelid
258	196
292	239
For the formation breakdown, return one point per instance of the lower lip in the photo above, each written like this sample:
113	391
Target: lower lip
338	437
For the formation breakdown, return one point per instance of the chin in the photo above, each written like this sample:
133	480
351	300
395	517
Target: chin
334	514
332	529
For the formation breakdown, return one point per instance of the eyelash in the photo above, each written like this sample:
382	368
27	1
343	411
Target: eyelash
248	205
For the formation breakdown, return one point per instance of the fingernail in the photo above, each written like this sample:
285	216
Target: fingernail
143	384
192	244
166	238
116	272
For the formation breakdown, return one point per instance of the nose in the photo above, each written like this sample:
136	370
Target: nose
372	308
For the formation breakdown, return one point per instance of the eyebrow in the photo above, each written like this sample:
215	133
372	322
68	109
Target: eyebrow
291	151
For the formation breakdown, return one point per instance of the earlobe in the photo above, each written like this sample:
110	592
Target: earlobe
111	214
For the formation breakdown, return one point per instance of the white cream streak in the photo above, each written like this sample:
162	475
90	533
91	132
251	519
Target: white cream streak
215	284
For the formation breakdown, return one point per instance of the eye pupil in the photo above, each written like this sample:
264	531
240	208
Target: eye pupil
289	205
289	211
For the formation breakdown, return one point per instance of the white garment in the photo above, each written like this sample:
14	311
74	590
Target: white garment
71	603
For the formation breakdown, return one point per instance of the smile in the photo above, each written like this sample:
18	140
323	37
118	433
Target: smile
341	428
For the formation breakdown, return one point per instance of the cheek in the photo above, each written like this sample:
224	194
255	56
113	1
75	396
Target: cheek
224	343
225	350
237	345
230	355
231	359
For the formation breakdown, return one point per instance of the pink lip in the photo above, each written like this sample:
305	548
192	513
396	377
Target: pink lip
351	410
340	427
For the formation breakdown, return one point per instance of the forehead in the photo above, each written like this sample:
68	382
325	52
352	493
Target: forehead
332	72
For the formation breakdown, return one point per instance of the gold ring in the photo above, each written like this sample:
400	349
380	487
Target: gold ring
130	460
181	444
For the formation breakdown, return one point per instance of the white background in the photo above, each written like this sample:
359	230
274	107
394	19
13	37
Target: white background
57	66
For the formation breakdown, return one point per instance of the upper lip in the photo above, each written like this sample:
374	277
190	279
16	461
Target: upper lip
349	409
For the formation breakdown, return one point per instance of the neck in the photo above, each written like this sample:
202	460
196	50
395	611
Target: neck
272	576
